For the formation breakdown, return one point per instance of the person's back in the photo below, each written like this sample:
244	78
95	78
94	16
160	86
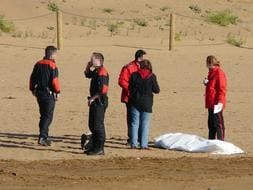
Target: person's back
45	76
45	86
123	81
142	86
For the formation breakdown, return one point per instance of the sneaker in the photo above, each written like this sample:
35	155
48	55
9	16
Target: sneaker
96	152
44	142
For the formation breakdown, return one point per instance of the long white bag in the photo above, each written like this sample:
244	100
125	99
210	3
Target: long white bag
193	143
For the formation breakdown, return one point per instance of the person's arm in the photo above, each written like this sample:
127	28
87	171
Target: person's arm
55	80
124	78
222	87
155	87
33	81
87	72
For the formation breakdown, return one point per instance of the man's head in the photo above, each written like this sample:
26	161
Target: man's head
50	52
139	55
97	59
211	62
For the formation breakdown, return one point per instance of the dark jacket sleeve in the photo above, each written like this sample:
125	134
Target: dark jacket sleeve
33	79
155	87
131	86
55	80
103	80
88	74
104	84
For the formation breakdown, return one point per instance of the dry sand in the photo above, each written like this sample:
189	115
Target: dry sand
178	108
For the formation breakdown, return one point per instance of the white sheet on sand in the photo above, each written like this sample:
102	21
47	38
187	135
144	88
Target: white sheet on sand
193	143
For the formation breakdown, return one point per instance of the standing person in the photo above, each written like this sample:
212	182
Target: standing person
124	79
143	84
215	98
97	102
45	86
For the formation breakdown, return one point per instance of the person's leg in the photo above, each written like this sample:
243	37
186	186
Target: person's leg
46	106
211	126
100	127
98	130
144	124
50	110
91	126
128	117
135	123
219	124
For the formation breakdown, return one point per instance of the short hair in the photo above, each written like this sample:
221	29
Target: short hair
99	56
146	64
49	50
139	53
212	60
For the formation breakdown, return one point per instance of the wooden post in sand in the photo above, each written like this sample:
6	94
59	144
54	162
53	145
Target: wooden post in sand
172	31
59	29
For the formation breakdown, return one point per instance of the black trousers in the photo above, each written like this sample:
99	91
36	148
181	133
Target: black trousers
46	105
128	117
216	125
96	124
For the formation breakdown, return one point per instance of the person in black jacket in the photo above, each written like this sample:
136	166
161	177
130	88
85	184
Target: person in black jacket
97	102
143	84
45	86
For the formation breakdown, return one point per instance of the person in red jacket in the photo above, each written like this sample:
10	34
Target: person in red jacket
215	98
124	78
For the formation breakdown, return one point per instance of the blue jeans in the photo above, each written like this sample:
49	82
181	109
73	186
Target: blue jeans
139	120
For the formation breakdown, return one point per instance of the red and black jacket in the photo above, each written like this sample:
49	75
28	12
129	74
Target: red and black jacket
99	83
124	79
143	84
44	77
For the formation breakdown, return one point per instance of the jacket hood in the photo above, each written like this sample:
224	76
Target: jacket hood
145	73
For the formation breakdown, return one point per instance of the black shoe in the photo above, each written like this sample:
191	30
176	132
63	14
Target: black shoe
96	152
44	142
128	143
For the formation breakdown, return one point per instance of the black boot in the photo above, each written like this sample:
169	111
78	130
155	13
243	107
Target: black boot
96	152
44	142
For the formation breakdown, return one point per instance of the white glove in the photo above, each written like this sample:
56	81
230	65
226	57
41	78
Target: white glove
218	108
205	81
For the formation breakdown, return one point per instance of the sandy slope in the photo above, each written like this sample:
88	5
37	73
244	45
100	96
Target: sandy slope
179	107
